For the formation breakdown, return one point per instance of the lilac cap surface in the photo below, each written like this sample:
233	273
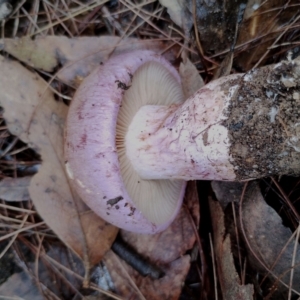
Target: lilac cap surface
92	160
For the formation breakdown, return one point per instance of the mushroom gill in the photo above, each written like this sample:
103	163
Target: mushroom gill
152	84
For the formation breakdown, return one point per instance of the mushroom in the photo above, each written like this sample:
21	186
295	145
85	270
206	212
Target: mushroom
132	141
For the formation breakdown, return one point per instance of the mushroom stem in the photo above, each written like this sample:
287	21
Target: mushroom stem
239	127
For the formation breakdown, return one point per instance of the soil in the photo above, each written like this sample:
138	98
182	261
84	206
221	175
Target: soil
264	122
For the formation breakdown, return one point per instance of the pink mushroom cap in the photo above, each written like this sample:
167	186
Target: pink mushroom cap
92	157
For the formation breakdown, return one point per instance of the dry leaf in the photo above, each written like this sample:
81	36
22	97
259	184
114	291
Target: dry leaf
227	192
35	53
15	189
175	10
24	285
269	240
191	80
78	56
18	286
227	276
5	9
165	250
265	237
180	14
32	114
130	284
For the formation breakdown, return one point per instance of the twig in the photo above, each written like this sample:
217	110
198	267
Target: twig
135	260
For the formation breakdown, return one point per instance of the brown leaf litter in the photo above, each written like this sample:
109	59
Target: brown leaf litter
33	115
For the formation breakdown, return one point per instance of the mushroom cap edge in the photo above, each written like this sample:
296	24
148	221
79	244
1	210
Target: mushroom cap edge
90	153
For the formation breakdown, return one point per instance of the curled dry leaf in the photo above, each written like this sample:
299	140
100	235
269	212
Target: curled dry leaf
228	277
33	115
269	241
180	14
166	250
15	189
78	56
270	244
175	10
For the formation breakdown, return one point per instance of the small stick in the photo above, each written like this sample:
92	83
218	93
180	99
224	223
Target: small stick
135	260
